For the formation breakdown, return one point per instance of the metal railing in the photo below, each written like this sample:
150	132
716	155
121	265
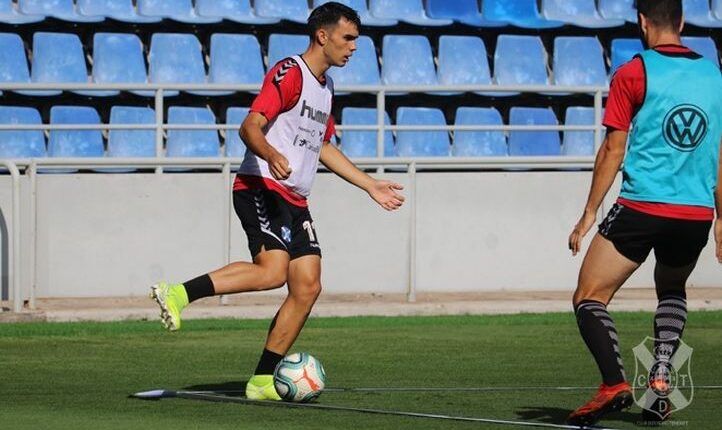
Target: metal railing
30	166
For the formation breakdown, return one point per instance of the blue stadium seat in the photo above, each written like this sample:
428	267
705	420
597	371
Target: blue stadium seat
697	12
407	60
290	10
704	46
192	143
618	9
131	143
531	143
176	58
235	59
463	11
118	58
579	143
520	60
478	143
623	50
716	8
233	10
421	143
358	143
463	61
521	13
75	143
13	63
410	11
119	10
9	14
60	9
177	10
362	67
579	61
281	46
21	143
582	13
360	7
235	147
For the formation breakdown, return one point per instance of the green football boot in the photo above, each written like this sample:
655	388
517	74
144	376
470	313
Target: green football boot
171	299
260	387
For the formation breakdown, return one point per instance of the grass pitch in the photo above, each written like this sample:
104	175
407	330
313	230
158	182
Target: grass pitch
79	375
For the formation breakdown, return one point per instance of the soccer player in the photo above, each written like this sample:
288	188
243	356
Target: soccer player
672	98
286	131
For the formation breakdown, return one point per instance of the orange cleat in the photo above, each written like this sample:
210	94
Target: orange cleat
608	399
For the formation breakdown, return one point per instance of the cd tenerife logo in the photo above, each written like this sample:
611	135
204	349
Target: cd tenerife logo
685	126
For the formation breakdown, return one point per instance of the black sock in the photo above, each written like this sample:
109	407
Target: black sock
669	322
600	335
268	362
199	287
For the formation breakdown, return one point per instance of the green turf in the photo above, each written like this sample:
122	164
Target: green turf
78	376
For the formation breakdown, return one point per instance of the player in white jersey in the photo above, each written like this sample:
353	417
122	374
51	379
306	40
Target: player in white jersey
287	133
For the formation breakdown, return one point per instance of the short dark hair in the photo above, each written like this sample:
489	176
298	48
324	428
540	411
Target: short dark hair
662	13
328	14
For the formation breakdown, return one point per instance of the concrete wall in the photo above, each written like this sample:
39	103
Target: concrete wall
115	234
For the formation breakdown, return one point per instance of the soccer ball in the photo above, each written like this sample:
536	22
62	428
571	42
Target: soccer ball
299	377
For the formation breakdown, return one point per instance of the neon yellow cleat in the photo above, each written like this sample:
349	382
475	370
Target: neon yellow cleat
260	387
171	298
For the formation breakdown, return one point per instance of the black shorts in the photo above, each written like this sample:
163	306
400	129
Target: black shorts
270	222
676	242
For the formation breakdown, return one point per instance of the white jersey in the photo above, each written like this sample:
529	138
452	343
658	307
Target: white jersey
297	134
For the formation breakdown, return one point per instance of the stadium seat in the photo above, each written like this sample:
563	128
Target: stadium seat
235	147
421	143
407	60
60	9
131	143
520	60
716	8
119	10
704	46
579	61
362	67
192	143
360	143
533	143
290	10
233	10
118	58
582	13
624	50
521	13
463	11
9	14
235	59
21	143
618	9
697	12
478	143
13	63
463	61
410	11
579	143
177	10
176	58
75	143
360	7
281	46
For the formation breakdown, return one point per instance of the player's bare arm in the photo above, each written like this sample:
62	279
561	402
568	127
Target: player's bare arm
382	192
609	159
252	134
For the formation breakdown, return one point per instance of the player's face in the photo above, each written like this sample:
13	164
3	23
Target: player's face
341	42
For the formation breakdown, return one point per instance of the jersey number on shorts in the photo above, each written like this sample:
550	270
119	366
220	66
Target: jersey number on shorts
308	226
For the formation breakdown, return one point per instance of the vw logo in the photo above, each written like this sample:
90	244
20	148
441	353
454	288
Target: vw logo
685	126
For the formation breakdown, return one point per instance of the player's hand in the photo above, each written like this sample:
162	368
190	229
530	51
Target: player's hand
278	165
718	239
580	230
384	193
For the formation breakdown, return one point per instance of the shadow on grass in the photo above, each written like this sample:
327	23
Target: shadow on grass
559	415
231	388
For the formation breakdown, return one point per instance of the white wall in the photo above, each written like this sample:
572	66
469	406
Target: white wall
115	234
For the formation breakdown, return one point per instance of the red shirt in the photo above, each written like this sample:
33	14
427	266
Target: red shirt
626	96
279	93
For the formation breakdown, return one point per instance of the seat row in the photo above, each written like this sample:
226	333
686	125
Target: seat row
206	143
237	59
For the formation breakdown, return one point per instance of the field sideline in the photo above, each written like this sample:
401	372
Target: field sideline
79	375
